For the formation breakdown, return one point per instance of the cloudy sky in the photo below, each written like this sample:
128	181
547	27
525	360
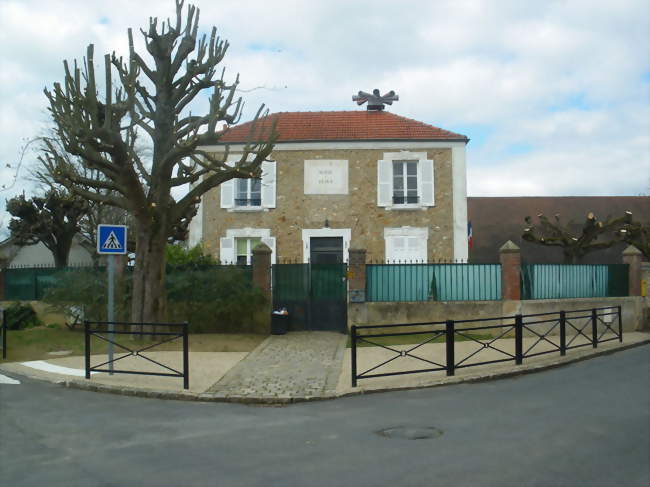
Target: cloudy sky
554	95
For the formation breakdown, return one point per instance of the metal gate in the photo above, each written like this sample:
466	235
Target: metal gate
315	295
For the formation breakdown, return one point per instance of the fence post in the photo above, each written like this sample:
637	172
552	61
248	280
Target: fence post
449	339
519	339
357	275
632	257
620	324
510	258
594	328
186	357
353	336
262	276
562	332
87	347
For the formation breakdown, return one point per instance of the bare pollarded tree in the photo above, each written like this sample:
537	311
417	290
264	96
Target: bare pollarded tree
151	98
575	245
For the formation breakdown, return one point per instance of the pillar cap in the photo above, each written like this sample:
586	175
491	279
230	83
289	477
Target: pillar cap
509	247
262	248
631	250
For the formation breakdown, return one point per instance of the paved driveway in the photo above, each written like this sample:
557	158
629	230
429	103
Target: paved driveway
587	424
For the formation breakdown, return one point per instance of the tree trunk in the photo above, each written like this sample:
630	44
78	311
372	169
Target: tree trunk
148	305
61	251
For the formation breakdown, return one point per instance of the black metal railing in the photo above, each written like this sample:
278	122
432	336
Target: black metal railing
547	332
103	333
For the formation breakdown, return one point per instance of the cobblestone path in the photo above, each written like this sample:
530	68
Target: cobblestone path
295	365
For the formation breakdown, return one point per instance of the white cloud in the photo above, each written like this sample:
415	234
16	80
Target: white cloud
563	79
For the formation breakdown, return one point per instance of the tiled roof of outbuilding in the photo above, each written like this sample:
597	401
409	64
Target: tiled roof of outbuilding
339	126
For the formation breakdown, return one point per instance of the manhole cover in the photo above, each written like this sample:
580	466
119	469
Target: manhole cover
411	432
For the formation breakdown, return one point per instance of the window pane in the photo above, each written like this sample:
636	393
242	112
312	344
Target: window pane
256	186
241	260
241	246
411	168
242	188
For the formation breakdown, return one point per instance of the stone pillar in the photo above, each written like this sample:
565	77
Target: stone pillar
262	280
510	258
262	269
632	257
357	275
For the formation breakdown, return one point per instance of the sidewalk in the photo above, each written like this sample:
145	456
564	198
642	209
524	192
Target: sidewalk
301	366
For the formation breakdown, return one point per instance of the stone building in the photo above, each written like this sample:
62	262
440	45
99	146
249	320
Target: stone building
339	180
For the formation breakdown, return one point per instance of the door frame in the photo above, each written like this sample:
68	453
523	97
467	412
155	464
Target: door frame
307	233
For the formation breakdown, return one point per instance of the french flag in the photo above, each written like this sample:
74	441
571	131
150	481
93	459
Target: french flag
470	240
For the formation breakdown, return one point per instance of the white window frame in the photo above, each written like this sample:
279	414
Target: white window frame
425	180
249	187
233	233
268	187
308	233
420	233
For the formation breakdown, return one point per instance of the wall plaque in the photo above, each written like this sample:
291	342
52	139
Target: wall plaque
324	176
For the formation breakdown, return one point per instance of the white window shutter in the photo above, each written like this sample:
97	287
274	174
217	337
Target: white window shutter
268	184
227	250
228	194
270	241
425	169
384	183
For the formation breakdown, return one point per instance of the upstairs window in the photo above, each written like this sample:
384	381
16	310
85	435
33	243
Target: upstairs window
249	192
405	180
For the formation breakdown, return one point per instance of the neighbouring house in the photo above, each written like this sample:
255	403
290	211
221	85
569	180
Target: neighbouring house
38	255
338	180
496	220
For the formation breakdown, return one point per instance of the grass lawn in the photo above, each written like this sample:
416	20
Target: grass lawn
37	343
413	339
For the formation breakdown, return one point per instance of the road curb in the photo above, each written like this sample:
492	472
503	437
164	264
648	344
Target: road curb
286	400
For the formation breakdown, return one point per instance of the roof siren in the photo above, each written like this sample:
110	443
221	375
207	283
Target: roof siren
375	100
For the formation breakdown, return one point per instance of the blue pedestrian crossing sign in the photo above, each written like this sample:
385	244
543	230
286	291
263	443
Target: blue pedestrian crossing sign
111	239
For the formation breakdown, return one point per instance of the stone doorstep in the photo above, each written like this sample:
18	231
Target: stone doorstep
284	400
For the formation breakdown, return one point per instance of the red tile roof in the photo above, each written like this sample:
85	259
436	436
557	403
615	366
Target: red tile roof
340	126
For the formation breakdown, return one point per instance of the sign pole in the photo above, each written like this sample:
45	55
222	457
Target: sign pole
111	315
111	240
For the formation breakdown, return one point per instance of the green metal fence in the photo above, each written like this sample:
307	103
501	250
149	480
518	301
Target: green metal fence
433	282
558	281
31	283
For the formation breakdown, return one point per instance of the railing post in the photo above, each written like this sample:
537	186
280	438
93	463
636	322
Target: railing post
87	347
353	337
620	324
594	328
519	339
562	333
450	347
186	357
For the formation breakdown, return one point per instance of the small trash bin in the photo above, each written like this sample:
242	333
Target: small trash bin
279	322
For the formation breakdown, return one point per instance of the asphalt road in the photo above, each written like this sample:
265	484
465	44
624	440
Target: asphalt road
586	424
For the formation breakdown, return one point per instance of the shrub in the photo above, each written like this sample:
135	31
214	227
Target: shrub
213	298
20	316
82	294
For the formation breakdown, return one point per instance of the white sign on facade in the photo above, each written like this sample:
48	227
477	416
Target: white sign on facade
326	176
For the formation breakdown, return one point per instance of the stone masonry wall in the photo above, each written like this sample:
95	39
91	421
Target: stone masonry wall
357	210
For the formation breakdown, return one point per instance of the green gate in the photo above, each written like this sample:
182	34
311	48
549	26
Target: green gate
315	295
